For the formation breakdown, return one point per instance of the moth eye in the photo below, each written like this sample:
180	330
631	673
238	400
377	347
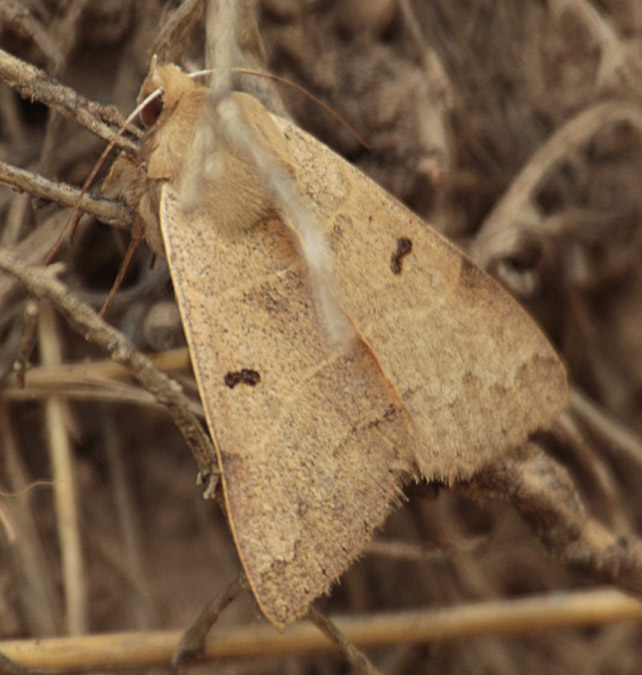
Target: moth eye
151	112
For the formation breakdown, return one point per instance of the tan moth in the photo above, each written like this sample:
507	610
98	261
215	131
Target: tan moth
441	373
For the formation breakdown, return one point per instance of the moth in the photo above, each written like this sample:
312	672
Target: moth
441	371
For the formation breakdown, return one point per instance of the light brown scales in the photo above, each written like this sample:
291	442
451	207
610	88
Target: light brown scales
445	371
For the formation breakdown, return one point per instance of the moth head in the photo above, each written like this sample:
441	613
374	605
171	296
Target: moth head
173	84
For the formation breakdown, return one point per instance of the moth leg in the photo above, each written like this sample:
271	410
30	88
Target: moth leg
192	643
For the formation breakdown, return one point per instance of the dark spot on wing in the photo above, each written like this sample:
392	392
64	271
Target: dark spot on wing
244	376
404	247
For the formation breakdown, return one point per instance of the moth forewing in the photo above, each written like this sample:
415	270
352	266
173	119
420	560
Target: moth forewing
474	371
444	370
312	455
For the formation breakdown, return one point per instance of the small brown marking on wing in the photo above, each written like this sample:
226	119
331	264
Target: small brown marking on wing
404	247
243	376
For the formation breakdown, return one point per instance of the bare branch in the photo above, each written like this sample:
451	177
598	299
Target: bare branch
32	83
42	283
506	617
192	643
356	658
106	210
543	493
15	14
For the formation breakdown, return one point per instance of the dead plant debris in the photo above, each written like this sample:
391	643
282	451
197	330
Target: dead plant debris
513	127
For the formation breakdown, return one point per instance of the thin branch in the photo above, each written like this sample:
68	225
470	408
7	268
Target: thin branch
105	392
605	484
66	499
176	30
42	283
544	494
34	84
399	550
31	311
94	380
507	617
16	15
106	210
9	667
32	249
38	596
618	438
131	556
99	371
356	658
617	59
512	222
192	644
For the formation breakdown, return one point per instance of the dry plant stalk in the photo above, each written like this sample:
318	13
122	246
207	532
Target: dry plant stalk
43	284
465	622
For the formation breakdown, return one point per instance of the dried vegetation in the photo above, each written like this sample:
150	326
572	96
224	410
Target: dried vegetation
516	129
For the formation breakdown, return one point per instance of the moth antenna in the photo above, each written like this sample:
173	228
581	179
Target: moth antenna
74	216
293	85
72	222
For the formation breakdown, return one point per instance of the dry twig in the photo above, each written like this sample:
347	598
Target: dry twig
515	220
106	210
38	601
36	85
543	493
356	657
57	423
192	644
507	617
84	319
16	15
